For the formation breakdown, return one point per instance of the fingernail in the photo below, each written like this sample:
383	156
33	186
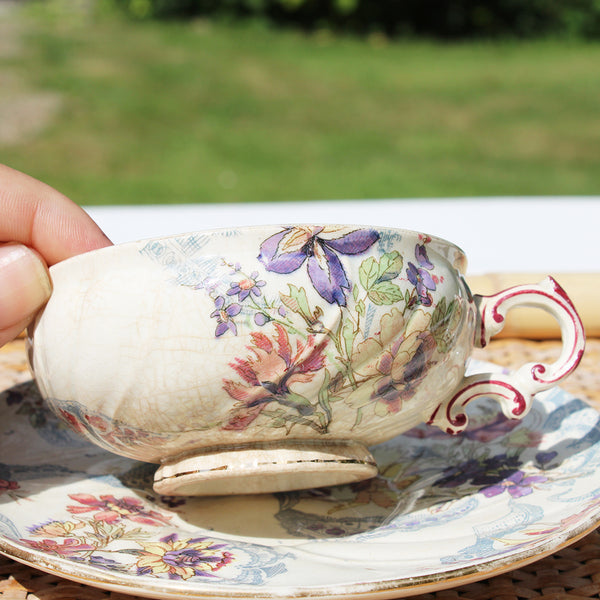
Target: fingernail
24	284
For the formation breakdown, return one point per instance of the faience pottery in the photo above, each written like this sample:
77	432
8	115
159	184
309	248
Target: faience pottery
270	358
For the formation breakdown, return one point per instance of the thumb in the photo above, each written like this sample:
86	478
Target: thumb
24	288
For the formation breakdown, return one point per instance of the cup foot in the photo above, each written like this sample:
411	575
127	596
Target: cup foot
265	468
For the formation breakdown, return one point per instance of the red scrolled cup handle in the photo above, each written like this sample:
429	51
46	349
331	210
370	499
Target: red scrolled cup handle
515	391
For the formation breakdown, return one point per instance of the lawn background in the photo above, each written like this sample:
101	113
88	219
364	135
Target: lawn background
206	111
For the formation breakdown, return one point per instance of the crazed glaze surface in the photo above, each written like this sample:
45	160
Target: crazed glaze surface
275	353
257	335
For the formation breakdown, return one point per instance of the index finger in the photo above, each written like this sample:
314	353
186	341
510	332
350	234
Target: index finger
38	216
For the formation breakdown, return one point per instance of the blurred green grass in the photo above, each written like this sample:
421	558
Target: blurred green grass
167	112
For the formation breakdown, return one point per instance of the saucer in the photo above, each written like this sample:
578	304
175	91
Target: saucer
443	511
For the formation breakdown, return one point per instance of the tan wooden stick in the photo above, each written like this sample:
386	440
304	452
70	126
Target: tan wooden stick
582	288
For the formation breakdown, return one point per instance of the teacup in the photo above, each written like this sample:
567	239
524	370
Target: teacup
270	358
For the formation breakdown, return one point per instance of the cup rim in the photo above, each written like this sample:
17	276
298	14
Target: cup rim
459	261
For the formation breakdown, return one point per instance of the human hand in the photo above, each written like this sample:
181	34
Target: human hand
38	228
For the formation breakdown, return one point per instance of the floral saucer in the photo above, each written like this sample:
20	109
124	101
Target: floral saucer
444	510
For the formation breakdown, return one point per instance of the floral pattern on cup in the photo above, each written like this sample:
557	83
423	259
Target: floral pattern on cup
301	362
107	432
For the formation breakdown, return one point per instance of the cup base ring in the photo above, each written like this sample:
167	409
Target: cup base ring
265	468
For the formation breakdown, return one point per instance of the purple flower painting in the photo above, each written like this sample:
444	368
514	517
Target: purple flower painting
182	559
420	276
517	485
224	316
318	247
246	287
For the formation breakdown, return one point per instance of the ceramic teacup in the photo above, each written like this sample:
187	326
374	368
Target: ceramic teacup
270	358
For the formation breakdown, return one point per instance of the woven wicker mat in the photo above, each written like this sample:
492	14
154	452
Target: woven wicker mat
572	573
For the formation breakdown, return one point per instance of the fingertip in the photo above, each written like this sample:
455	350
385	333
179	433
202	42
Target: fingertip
24	287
